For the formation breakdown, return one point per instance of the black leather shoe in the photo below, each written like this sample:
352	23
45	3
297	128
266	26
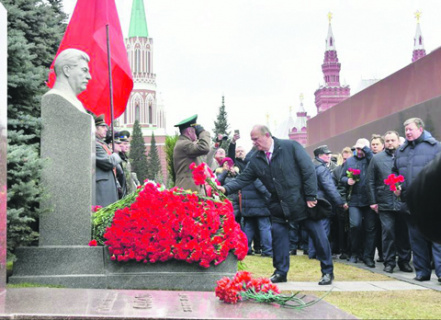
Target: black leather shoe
266	255
439	279
293	252
277	277
343	256
326	279
405	267
369	263
388	269
380	260
421	278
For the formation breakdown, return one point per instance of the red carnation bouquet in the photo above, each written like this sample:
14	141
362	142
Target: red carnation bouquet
353	174
394	182
244	287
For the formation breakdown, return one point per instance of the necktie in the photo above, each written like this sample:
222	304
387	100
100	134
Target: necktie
268	156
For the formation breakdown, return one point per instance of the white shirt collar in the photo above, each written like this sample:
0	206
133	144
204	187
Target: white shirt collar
271	149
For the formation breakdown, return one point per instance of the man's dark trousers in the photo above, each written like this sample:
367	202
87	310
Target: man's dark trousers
395	238
362	219
280	234
421	251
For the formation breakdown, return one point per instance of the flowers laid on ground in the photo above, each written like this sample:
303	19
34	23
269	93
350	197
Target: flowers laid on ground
244	287
353	174
394	182
202	175
162	224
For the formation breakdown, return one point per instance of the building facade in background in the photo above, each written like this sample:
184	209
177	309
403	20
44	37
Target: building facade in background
145	104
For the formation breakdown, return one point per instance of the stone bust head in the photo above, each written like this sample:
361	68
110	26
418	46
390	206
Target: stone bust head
72	70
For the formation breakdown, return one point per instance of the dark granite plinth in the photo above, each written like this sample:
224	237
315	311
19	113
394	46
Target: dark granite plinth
69	266
91	267
44	303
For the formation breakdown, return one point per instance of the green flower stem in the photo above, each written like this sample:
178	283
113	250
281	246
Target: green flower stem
289	301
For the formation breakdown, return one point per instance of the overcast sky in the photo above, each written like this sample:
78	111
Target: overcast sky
263	54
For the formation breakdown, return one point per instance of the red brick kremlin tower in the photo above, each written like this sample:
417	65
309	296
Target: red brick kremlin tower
418	41
144	103
331	93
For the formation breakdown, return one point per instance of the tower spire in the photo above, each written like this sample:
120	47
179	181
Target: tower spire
418	40
331	92
138	21
330	41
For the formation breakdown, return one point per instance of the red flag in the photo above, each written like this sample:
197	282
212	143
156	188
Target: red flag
87	32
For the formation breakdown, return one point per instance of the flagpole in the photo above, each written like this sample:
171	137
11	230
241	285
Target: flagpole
110	86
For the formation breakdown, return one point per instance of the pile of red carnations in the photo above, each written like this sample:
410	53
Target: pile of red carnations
244	287
164	224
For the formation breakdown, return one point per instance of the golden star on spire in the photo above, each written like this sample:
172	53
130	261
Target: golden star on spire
329	16
418	15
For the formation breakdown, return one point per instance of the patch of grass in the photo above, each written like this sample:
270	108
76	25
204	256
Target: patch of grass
304	269
405	304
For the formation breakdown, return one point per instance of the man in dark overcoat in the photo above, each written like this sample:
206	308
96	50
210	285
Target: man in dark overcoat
287	172
418	150
395	237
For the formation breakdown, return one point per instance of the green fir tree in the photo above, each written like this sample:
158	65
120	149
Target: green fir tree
138	153
221	125
35	29
170	142
153	162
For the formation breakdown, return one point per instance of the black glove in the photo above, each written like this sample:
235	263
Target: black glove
198	129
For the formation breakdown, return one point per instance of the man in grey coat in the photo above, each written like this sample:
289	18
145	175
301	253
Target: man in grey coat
106	162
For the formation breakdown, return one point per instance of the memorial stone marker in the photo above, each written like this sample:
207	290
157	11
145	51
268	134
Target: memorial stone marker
68	177
3	144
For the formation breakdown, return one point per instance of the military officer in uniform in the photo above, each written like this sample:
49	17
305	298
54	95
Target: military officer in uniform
193	142
106	163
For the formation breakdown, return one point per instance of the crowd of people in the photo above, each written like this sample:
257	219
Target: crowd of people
276	185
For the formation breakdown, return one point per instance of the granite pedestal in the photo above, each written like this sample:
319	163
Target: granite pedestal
44	303
91	267
68	178
3	144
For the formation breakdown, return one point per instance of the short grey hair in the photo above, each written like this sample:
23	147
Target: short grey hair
262	129
419	123
70	57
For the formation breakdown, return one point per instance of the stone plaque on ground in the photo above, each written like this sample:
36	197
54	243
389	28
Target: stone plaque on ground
45	303
3	143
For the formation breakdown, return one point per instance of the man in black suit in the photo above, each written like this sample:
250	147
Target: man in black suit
287	172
